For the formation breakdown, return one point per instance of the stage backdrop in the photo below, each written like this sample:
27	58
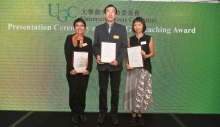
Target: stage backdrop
185	68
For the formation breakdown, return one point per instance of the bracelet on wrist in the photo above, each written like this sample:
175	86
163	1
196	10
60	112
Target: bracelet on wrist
146	56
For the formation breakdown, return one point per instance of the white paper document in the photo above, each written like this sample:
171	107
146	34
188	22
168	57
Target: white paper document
108	52
80	61
134	56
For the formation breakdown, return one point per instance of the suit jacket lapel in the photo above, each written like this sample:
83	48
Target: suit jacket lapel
104	28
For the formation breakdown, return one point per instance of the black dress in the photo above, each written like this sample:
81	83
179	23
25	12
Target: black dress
138	89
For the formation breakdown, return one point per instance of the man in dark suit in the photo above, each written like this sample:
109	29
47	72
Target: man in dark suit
112	69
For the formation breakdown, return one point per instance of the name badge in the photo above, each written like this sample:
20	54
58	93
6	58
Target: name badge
143	43
116	37
84	44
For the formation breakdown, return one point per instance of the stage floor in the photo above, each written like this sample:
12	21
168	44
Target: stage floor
63	119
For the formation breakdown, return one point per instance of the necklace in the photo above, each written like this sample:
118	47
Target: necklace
139	35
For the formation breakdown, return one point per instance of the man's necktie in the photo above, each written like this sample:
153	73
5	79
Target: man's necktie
109	28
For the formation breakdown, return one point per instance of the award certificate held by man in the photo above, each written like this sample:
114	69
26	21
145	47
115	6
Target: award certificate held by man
108	52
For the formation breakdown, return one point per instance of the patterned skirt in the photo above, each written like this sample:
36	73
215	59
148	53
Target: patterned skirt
138	90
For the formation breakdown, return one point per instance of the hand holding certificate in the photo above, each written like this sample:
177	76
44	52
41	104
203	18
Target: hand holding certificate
80	61
134	56
108	52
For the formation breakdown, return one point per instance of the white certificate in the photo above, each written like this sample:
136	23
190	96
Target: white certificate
108	52
134	56
80	61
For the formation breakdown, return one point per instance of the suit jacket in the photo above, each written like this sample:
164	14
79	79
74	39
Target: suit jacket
117	35
69	48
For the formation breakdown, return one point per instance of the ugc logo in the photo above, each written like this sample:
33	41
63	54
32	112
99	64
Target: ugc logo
62	14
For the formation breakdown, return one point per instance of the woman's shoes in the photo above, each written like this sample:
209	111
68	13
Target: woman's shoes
141	121
133	121
82	117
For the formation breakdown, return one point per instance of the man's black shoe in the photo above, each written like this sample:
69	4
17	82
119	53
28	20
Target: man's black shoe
101	118
82	118
115	119
75	119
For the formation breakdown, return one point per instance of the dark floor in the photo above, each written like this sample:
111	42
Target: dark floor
63	119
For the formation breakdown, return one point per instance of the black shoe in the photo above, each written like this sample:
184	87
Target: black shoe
82	118
101	118
133	121
115	119
75	119
141	121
